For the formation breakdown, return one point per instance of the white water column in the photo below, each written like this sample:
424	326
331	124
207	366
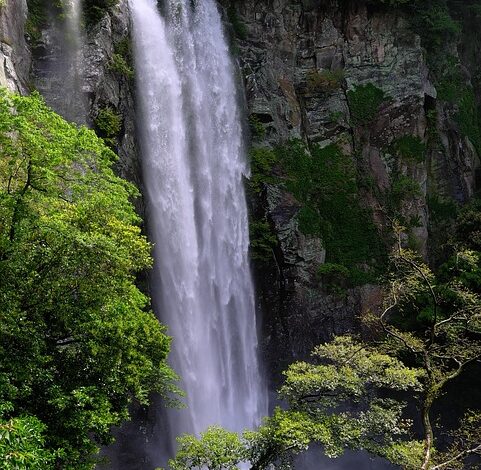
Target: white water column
193	164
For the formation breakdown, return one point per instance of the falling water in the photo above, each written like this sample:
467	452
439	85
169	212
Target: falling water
193	163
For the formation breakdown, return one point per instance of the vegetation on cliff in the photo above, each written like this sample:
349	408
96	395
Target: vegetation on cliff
78	344
353	394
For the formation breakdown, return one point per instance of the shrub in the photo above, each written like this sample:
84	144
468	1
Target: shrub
262	240
119	64
331	272
441	208
324	182
435	24
256	127
364	103
309	220
403	188
262	161
468	118
108	124
94	10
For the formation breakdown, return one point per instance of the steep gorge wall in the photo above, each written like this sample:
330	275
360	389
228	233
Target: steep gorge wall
106	83
29	50
306	65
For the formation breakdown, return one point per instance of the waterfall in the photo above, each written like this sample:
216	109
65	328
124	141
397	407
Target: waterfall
193	165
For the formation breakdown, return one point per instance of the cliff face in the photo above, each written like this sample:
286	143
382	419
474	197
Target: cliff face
15	57
352	82
110	86
310	68
105	81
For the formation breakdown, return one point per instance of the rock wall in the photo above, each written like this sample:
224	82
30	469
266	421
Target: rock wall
108	87
299	61
15	57
103	86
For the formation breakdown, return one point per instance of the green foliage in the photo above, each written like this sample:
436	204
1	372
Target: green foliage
336	116
324	80
95	10
37	17
441	209
240	29
349	369
263	161
325	182
22	445
468	225
256	127
403	188
309	220
122	59
344	370
364	103
453	89
216	449
468	118
108	124
77	344
120	65
262	240
334	277
433	21
410	148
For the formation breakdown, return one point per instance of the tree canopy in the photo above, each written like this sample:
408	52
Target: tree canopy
78	344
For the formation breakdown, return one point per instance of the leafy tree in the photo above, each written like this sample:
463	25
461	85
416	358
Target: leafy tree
217	449
77	344
444	339
94	10
352	394
22	443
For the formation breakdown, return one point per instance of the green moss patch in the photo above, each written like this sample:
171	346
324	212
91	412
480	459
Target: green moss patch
364	103
324	181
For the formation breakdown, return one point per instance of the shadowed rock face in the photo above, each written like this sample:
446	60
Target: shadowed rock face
98	84
59	62
290	55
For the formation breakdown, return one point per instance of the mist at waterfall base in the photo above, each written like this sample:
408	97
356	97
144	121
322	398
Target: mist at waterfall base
194	161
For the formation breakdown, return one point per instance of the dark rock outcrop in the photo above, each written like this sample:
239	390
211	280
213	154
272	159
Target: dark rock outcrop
300	60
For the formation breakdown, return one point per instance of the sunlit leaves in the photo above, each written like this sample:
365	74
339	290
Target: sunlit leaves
217	449
77	342
22	445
